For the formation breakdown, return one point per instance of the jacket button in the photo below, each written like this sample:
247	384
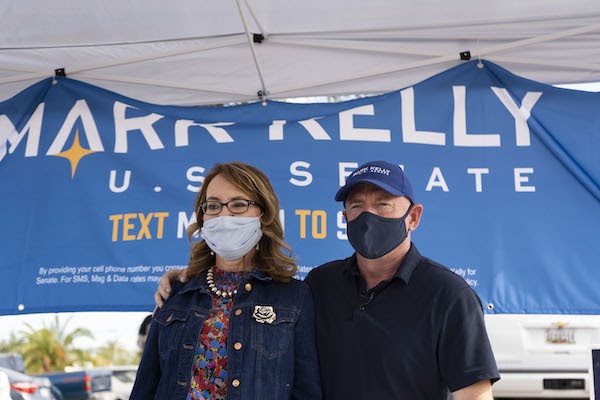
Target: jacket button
235	383
188	347
180	383
237	346
248	287
238	312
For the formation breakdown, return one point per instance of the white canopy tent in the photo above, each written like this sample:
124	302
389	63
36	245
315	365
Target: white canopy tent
189	52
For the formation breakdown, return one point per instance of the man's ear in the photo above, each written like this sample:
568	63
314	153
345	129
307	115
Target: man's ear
415	217
345	217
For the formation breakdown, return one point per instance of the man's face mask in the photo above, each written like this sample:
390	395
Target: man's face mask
373	236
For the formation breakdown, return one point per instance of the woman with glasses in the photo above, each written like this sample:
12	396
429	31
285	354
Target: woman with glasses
241	327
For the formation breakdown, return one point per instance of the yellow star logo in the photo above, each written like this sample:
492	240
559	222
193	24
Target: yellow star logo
75	153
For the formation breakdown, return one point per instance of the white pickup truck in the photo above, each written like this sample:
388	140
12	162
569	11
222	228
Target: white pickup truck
543	356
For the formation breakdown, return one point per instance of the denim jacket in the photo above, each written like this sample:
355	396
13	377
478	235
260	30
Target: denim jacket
273	359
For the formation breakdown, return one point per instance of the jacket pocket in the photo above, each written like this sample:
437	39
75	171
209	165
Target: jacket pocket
272	334
171	323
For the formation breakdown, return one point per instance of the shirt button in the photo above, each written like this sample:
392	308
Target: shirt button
238	312
235	383
237	346
361	308
248	287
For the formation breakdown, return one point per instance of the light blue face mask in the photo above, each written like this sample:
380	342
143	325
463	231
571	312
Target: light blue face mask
231	237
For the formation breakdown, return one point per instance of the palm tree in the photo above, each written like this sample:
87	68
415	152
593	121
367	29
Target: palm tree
51	348
14	344
113	353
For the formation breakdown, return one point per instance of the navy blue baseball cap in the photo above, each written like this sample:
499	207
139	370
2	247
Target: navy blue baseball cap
384	175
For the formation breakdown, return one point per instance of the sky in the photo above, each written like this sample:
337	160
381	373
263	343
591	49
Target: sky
587	87
121	326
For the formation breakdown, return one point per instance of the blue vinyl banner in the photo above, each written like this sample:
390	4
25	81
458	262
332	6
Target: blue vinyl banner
97	189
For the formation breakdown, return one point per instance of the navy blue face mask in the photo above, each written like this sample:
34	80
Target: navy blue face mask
373	236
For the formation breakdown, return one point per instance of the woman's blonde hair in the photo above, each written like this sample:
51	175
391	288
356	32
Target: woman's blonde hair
274	256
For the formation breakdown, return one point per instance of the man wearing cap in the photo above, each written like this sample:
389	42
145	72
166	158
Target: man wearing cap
392	324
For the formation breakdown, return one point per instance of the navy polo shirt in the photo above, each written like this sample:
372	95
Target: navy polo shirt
415	336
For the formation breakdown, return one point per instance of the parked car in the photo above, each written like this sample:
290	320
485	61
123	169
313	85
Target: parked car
543	356
12	361
86	384
4	386
122	381
55	393
19	384
25	387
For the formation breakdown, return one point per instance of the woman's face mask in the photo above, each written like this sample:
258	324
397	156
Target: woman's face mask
231	227
231	237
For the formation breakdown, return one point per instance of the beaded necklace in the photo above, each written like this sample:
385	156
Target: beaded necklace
210	281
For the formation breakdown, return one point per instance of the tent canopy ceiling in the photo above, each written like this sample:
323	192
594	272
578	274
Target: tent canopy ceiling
188	52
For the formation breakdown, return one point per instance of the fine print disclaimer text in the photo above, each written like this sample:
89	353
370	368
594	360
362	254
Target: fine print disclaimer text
101	274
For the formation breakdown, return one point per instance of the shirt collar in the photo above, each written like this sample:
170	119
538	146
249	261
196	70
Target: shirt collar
199	282
261	275
405	269
196	283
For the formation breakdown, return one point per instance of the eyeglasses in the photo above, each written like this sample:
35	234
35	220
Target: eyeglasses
236	206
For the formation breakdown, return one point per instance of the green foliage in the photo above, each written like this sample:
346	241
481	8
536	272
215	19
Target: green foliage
14	344
112	353
52	348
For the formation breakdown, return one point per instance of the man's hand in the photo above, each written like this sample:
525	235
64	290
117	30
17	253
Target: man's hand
164	285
